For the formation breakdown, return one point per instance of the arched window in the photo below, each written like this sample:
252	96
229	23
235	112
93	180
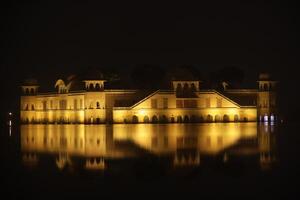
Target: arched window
98	104
135	119
193	119
172	119
225	118
32	91
209	118
91	87
146	119
266	118
97	86
201	119
163	119
266	87
154	119
32	107
27	91
179	119
193	87
186	119
236	118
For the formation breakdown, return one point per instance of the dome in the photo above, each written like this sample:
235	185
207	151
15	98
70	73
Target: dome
30	82
93	74
264	76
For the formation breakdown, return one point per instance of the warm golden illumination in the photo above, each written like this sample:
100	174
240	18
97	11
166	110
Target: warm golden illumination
185	143
184	103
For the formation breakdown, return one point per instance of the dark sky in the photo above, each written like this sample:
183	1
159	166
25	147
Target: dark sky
48	38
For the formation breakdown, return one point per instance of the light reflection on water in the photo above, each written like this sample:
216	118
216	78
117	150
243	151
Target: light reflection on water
182	144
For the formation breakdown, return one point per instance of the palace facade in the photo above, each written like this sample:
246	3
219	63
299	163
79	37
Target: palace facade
186	101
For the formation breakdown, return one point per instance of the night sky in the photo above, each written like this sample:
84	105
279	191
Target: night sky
48	39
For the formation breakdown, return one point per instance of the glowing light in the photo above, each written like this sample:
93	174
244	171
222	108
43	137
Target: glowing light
142	112
9	123
10	114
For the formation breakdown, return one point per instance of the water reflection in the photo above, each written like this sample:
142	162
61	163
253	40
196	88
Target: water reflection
93	146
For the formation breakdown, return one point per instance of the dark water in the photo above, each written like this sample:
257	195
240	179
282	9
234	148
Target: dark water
144	160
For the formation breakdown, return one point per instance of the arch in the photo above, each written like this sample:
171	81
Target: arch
201	119
179	86
154	119
172	120
163	119
193	87
266	87
98	105
32	91
272	118
193	119
97	87
179	119
186	119
186	86
135	119
98	120
236	118
217	118
226	118
146	119
209	118
266	118
91	87
32	107
26	91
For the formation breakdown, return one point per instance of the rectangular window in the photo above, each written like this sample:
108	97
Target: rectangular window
44	105
219	102
207	102
153	103
179	104
165	102
75	104
81	104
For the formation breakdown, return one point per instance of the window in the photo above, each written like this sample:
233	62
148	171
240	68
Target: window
153	103
190	103
207	102
179	104
75	104
63	104
32	107
81	104
165	102
98	105
44	105
219	102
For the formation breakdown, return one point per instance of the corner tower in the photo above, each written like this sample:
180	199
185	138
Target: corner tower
267	98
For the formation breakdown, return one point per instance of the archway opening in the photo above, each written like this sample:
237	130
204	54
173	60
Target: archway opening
146	119
226	118
179	119
186	119
236	118
154	119
209	118
135	119
163	119
193	119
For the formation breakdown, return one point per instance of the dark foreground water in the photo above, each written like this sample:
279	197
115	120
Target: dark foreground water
146	160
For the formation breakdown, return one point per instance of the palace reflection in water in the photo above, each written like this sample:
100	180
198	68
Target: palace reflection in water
93	146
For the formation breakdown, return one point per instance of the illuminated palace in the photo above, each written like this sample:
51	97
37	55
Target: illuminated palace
91	101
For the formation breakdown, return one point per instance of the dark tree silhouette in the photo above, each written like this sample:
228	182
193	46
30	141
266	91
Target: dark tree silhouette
148	76
232	75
